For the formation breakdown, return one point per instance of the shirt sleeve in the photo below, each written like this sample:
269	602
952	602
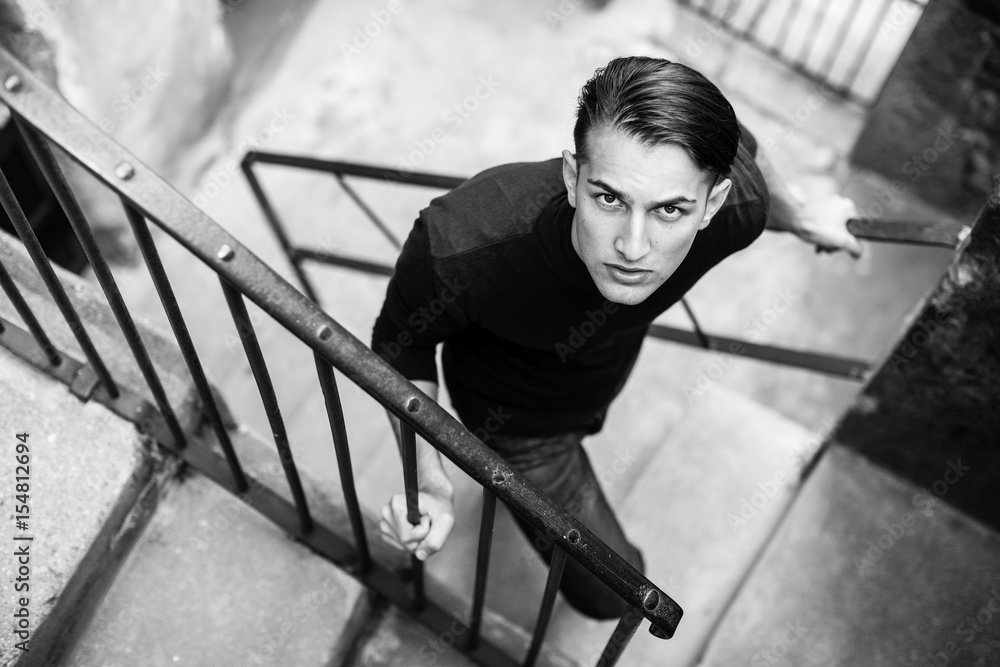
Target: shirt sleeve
746	209
421	309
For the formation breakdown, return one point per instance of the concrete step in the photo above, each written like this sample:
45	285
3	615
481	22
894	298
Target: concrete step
868	569
211	582
394	638
701	512
92	483
102	327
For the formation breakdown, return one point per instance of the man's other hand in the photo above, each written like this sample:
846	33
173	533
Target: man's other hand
823	223
437	517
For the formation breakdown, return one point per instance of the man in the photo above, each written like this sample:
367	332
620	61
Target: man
663	186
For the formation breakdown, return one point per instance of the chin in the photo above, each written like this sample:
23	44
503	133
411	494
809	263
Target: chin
624	294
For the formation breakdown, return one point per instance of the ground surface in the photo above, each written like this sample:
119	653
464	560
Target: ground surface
390	101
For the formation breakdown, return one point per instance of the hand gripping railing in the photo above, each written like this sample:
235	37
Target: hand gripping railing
45	119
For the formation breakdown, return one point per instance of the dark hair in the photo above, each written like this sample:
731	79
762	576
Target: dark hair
660	102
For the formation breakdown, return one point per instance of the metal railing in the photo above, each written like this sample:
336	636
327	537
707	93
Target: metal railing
48	124
790	31
931	234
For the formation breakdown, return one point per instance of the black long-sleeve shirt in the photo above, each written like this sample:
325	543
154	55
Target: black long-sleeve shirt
531	347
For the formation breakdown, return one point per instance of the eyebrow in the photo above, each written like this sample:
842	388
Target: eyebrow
673	201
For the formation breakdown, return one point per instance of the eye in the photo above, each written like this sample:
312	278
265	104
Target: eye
608	201
671	213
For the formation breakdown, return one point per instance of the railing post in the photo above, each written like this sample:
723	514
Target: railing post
408	451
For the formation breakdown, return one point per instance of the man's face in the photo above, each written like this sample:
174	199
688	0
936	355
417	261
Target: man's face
638	210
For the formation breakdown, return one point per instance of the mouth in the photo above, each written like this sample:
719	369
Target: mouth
626	275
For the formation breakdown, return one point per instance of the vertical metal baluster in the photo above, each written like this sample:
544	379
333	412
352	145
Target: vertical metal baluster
624	631
809	43
838	41
244	327
88	242
855	68
786	25
183	336
30	321
762	6
279	231
37	254
548	600
335	413
408	452
482	566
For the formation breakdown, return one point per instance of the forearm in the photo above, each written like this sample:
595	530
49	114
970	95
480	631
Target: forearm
785	213
431	476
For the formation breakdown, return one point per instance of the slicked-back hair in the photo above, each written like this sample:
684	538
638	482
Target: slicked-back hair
657	101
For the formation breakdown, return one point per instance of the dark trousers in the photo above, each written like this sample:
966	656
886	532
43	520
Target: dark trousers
560	467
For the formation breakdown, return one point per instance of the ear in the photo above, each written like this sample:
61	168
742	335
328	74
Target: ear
570	174
716	198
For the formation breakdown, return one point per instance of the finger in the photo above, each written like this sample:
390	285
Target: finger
399	506
385	531
436	537
386	513
412	535
854	247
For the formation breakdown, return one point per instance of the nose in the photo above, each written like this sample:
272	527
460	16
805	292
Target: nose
632	242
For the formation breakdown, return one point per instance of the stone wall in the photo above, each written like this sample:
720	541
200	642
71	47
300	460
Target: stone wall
937	122
153	75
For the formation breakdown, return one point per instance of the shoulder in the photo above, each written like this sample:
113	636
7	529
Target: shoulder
748	182
495	205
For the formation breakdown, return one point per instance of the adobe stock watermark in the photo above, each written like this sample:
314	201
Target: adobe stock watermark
905	525
925	328
422	318
563	11
900	14
579	334
363	35
433	649
293	617
753	328
794	120
624	459
918	164
768	488
115	632
775	652
697	44
124	104
43	13
457	114
221	177
969	628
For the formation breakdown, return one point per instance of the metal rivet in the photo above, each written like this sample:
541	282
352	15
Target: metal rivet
651	601
125	171
324	332
225	252
413	405
12	83
573	536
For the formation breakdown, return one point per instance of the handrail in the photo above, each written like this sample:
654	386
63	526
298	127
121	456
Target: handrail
144	192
